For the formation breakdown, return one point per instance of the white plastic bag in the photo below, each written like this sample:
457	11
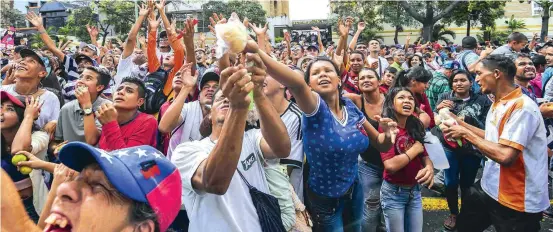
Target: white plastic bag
435	151
232	36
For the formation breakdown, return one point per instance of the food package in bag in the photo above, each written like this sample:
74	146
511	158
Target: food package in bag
232	36
435	151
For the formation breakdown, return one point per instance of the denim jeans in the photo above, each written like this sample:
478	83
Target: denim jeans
370	177
337	214
402	207
462	171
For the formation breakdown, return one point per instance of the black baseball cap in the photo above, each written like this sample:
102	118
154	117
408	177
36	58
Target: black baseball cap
30	53
469	42
163	34
79	58
209	75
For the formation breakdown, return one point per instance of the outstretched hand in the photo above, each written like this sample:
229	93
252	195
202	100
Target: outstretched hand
389	127
34	19
214	20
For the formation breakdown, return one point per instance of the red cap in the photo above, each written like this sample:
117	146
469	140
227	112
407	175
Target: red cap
5	96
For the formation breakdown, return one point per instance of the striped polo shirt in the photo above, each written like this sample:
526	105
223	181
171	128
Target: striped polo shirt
516	121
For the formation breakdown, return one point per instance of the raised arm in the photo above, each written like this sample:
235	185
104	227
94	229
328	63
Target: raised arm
93	33
131	39
307	101
275	142
36	21
22	139
172	117
161	9
188	37
153	62
260	33
353	42
319	39
215	173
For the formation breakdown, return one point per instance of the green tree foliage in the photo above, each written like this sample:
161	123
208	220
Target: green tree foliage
10	17
547	6
111	17
393	14
441	33
476	13
515	24
251	9
428	13
361	11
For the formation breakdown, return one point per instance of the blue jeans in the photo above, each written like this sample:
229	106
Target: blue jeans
402	207
337	214
370	177
461	173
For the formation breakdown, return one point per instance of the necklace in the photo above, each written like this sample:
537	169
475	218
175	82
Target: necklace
36	91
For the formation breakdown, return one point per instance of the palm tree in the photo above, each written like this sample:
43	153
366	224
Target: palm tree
440	32
515	24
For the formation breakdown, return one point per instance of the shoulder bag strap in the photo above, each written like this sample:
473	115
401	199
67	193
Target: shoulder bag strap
244	179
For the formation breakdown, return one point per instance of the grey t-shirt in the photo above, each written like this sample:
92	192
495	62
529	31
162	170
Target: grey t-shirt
506	51
50	109
71	121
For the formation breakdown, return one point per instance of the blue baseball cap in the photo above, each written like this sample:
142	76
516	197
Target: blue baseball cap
140	173
451	65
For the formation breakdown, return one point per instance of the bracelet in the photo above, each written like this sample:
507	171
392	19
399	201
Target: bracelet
407	157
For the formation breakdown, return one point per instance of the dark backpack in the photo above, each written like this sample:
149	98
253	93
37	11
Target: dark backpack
155	82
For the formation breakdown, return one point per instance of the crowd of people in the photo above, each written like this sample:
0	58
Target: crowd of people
161	133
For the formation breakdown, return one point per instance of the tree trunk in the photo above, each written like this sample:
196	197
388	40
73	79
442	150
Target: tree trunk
544	26
427	32
468	25
396	34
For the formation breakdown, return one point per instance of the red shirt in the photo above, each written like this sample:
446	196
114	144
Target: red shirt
139	131
348	82
423	103
405	176
384	89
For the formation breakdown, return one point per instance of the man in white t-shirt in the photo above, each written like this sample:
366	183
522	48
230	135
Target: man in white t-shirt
132	59
513	190
291	116
214	194
374	61
182	120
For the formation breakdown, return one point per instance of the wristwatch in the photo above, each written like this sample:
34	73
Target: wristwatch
87	111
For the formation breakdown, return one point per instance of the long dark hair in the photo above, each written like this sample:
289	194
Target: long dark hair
413	125
410	58
404	78
307	75
20	112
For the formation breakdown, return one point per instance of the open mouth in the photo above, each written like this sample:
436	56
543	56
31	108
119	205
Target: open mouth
407	107
224	107
118	99
57	223
21	68
324	82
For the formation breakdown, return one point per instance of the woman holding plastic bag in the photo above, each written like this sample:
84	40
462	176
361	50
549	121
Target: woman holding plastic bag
463	159
336	132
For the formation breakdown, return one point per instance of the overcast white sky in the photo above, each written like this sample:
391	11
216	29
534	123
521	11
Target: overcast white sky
309	9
